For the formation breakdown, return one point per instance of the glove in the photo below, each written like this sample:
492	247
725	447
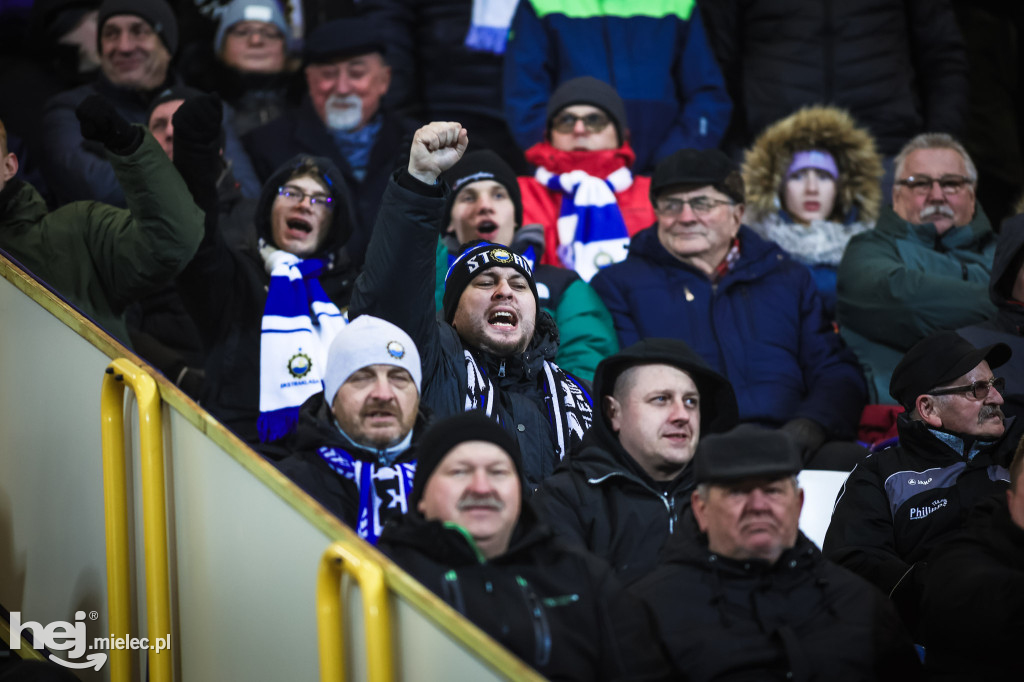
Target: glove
197	124
101	123
807	434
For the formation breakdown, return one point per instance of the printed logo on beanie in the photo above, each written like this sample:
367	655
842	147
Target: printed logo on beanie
481	175
497	257
299	365
396	350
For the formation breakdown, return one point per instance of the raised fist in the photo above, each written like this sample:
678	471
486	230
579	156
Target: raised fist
100	122
198	120
436	147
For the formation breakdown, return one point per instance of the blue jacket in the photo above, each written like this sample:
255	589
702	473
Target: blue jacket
762	326
654	53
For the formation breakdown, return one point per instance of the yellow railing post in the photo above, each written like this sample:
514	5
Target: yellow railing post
336	560
154	517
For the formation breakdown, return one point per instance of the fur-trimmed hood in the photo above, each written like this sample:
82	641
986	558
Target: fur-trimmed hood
827	128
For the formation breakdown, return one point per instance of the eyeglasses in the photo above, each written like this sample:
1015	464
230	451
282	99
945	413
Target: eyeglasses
566	123
297	195
922	184
979	390
701	206
267	32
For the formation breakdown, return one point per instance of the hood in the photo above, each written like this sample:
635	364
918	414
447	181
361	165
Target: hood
20	204
827	128
343	221
1008	260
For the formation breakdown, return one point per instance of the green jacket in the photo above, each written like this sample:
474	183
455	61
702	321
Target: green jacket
585	328
101	258
899	283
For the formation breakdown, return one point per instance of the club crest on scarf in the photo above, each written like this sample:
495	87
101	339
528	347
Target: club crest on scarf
299	365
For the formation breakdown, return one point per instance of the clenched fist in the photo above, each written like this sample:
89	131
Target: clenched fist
436	147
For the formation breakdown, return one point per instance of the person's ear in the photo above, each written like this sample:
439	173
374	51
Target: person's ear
698	504
613	410
928	409
9	167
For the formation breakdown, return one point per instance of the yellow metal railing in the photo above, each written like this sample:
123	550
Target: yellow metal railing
337	560
154	517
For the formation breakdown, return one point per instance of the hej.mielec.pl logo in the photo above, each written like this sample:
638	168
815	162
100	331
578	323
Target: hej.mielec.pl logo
70	637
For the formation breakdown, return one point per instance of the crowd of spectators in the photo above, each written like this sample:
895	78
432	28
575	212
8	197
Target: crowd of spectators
553	300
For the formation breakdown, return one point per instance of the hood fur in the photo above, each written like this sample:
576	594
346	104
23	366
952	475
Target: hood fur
827	128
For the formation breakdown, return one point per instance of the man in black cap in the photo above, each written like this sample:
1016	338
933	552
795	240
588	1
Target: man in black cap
742	304
954	448
750	592
623	494
341	117
471	537
494	349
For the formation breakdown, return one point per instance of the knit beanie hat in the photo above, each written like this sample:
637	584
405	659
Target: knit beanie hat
266	11
366	341
444	435
596	93
481	165
476	257
156	13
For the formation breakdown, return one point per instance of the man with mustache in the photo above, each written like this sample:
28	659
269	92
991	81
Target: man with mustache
924	267
341	117
954	448
473	539
746	595
353	447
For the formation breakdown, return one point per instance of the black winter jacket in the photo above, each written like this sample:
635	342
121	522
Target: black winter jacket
397	285
802	618
558	608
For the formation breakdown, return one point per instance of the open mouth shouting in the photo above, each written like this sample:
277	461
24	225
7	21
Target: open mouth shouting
503	319
486	228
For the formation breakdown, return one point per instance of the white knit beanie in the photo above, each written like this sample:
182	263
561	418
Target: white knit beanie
238	11
368	341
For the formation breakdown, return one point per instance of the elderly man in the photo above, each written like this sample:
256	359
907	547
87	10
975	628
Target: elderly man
746	307
485	203
623	494
495	347
750	593
472	539
900	504
341	118
352	449
926	265
583	192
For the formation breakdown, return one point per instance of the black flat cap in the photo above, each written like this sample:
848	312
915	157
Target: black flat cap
937	360
747	451
693	167
343	38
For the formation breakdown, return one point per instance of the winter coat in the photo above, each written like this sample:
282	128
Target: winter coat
819	245
802	618
654	54
973	604
558	608
899	504
898	67
225	291
586	333
101	258
762	326
898	283
395	286
542	205
300	131
298	457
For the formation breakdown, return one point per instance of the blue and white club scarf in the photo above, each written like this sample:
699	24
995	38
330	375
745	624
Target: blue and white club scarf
591	232
489	23
299	323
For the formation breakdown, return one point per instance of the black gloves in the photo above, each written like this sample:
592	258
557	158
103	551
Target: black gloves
197	124
808	435
101	123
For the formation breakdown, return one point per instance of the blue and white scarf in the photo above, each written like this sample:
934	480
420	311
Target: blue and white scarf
299	323
489	23
591	232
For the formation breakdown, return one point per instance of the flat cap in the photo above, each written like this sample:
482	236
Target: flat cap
747	451
343	38
937	360
693	167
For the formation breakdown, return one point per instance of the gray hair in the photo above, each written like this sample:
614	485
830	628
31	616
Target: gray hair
936	141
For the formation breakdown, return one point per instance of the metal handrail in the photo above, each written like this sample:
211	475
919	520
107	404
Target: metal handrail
368	574
154	517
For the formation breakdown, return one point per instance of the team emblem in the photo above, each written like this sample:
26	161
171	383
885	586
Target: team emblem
300	365
396	350
501	255
602	260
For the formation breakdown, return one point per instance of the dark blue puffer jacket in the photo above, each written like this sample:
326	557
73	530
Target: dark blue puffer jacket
762	326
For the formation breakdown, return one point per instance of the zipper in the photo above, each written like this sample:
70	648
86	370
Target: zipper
452	590
671	513
541	626
501	369
670	503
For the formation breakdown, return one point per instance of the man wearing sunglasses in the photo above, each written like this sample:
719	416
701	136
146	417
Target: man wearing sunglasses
924	267
955	444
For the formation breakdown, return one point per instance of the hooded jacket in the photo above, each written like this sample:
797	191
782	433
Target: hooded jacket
762	326
900	282
601	499
99	257
801	618
559	609
395	285
819	245
225	290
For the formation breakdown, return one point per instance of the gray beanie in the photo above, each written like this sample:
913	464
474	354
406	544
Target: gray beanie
238	11
156	13
365	341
